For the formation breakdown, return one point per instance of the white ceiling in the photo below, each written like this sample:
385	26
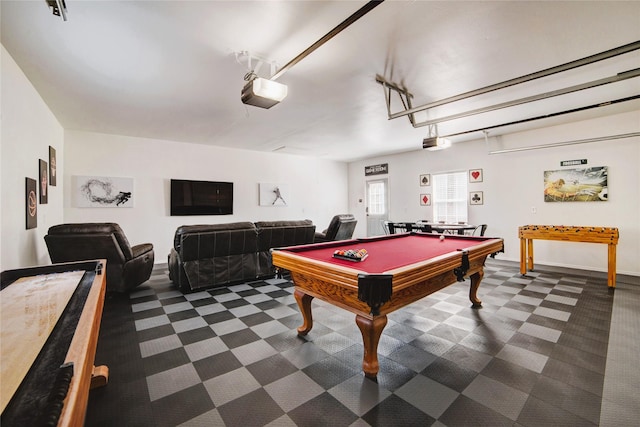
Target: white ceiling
169	69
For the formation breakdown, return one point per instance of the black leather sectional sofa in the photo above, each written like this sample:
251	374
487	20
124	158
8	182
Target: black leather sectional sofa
209	256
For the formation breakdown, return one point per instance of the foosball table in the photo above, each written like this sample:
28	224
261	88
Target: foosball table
606	235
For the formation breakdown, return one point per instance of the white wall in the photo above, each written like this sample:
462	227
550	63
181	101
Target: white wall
512	182
317	188
513	185
28	128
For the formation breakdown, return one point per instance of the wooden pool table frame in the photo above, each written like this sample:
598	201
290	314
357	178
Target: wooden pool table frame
339	285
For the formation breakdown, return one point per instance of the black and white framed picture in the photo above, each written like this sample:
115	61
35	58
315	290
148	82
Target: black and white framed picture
102	192
273	194
425	180
44	182
31	203
476	198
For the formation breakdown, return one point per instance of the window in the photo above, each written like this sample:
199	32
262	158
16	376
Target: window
377	203
450	197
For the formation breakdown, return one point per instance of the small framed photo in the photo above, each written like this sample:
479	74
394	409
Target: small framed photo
31	203
44	182
52	167
475	175
476	198
425	199
425	180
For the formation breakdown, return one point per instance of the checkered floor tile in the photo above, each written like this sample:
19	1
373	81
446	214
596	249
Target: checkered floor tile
534	354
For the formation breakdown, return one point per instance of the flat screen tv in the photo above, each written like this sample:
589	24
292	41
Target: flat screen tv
201	197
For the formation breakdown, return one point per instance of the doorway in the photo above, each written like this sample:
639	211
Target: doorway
377	207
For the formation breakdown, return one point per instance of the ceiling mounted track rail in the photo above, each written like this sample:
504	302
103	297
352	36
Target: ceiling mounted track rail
410	111
595	83
545	116
574	142
331	34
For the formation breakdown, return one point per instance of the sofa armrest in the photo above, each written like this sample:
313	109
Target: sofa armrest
141	249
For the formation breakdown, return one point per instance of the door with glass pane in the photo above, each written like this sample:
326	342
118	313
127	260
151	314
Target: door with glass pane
377	207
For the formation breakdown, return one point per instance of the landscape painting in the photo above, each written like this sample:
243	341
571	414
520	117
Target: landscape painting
576	185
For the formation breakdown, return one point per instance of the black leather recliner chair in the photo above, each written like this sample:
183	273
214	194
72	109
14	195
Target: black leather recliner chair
127	266
341	227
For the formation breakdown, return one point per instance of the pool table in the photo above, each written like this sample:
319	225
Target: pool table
398	270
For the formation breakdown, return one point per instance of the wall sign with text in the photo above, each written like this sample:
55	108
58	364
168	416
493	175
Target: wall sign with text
376	169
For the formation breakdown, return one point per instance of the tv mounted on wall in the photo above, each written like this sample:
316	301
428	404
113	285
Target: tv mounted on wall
201	197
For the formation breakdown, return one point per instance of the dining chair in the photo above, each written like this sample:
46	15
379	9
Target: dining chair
479	230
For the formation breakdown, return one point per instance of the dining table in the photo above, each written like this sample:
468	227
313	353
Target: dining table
438	227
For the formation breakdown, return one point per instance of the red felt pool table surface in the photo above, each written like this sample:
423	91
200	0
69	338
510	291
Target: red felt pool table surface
390	252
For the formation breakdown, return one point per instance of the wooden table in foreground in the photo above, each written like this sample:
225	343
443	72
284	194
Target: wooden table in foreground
606	235
398	270
41	308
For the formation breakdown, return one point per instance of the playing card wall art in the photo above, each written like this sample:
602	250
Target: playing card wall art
102	192
475	175
476	198
576	185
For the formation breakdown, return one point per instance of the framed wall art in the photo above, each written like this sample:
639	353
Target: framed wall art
475	175
102	192
425	199
425	180
44	182
273	194
476	198
52	167
31	203
577	185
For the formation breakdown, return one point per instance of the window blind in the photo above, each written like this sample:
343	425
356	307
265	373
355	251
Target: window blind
450	197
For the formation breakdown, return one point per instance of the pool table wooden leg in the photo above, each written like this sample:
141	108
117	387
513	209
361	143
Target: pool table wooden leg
476	278
371	330
304	302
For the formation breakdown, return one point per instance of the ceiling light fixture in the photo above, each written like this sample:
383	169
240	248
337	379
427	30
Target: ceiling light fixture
434	142
262	92
58	8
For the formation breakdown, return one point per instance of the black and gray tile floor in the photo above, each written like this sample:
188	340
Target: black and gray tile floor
543	350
